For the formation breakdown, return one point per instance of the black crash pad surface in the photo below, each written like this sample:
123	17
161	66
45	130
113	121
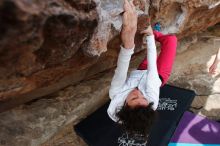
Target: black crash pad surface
99	130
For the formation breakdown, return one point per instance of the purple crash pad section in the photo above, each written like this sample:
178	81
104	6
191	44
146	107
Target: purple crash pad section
195	129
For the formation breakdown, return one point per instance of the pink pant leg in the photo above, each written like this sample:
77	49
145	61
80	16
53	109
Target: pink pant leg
167	55
143	64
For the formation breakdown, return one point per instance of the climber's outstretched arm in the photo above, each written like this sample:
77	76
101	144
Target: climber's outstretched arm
128	31
151	52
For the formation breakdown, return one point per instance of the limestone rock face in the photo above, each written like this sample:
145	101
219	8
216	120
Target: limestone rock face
49	121
34	123
48	45
40	43
193	61
185	17
191	67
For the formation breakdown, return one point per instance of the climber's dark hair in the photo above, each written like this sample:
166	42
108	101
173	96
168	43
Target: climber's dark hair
137	120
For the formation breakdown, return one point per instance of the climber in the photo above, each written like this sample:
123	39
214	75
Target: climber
212	68
135	99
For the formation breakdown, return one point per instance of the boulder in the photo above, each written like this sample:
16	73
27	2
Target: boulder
48	45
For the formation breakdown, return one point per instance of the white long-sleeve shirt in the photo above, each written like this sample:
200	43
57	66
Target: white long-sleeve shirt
147	81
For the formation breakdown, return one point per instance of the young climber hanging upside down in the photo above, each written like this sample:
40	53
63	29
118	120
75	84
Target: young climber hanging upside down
135	99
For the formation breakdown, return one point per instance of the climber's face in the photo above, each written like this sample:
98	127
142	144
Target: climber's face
136	98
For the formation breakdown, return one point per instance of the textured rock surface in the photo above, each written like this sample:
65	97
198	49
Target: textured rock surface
48	45
191	71
49	121
40	44
185	17
66	137
207	106
34	123
194	59
37	121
